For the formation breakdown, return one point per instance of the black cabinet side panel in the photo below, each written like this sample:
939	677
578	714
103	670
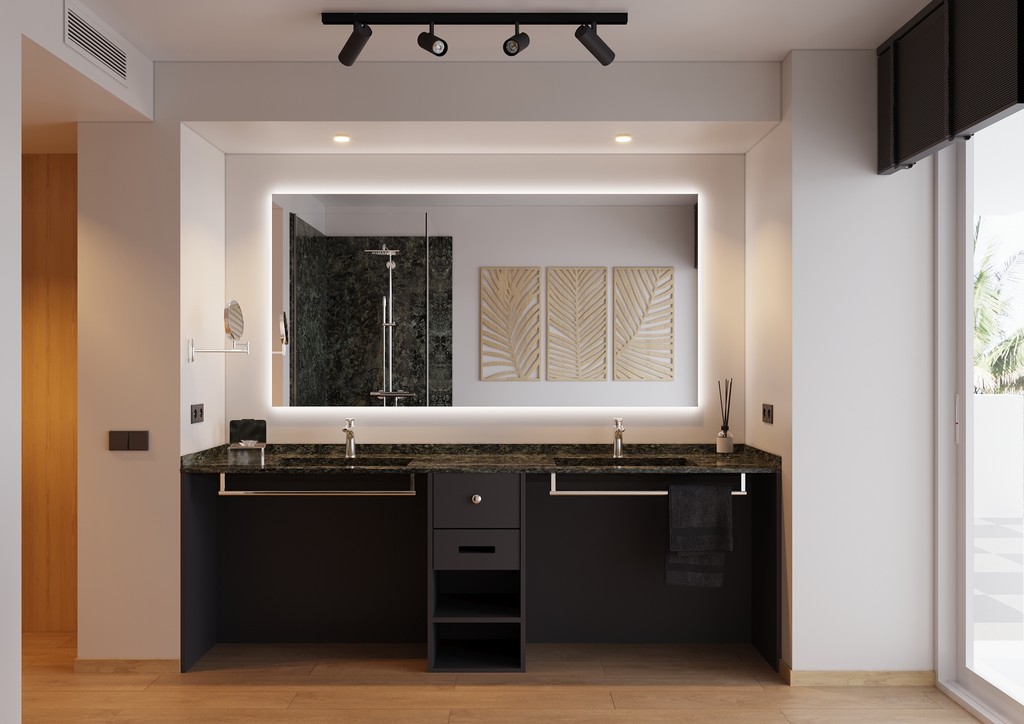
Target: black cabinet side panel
984	61
764	491
198	566
597	573
922	88
886	112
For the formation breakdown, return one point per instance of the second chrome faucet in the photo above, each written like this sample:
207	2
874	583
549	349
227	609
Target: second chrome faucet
617	440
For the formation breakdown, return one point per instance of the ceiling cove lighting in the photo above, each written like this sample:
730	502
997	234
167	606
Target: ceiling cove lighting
586	31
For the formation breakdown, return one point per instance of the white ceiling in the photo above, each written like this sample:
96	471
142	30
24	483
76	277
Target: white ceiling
658	30
290	30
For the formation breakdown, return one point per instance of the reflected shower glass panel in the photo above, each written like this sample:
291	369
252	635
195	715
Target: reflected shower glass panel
367	321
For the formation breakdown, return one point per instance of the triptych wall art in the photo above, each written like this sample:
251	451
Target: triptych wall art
577	321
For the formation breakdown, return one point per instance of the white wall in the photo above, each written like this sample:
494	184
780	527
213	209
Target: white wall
43	22
387	91
40	20
717	180
769	311
10	370
549	236
129	361
863	366
202	290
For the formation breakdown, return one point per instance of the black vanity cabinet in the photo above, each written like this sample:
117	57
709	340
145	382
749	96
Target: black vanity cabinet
475	589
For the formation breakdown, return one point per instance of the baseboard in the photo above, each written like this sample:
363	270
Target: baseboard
857	678
127	666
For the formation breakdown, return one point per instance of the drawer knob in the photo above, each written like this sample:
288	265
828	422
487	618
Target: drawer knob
477	500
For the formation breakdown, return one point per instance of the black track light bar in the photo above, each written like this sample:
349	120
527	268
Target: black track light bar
474	18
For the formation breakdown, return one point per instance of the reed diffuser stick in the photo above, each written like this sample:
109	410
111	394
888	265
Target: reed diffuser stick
725	401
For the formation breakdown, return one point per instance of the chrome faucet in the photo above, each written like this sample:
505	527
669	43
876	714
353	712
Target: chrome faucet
617	442
350	437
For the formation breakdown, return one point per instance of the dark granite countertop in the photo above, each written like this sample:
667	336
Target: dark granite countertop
427	458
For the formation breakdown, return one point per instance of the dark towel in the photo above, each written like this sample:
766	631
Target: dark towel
700	531
703	570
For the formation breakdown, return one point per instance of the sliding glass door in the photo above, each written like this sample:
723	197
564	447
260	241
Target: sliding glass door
991	505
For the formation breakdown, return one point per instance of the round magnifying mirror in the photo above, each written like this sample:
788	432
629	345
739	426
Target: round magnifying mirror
234	323
284	327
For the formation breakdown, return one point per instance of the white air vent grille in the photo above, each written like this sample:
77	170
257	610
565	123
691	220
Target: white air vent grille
87	39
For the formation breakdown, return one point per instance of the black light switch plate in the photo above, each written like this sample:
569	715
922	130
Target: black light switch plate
128	440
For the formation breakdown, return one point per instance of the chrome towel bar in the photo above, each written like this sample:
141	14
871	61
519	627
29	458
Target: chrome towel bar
628	493
317	493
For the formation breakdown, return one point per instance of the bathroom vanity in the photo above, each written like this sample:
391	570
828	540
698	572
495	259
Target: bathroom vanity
472	550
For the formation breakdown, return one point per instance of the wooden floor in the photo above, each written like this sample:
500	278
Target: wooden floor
565	683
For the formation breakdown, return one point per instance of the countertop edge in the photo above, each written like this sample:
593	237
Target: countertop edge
528	459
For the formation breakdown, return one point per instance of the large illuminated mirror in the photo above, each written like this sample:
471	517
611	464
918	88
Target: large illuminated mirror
485	300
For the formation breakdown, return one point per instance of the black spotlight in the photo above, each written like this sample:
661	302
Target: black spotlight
518	42
361	32
587	34
431	43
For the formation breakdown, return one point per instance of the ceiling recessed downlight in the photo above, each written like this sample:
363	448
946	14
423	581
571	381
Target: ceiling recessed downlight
342	138
623	138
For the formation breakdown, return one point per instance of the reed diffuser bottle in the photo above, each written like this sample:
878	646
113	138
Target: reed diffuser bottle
723	442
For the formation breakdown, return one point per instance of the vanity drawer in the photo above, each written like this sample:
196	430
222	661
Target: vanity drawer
484	550
497	496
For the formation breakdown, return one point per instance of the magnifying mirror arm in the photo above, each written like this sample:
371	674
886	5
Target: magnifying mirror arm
236	348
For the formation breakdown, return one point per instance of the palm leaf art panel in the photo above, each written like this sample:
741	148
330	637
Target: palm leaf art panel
577	316
644	323
509	323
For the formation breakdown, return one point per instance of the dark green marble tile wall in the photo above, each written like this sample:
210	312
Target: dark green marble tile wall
336	313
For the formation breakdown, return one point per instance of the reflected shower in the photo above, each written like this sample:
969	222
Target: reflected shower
387	389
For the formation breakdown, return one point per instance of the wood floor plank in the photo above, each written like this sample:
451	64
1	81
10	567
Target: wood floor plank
315	652
612	716
608	682
307	716
86	682
269	682
285	669
688	675
873	716
63	716
780	698
54	639
164	700
461	697
395	666
544	672
609	653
